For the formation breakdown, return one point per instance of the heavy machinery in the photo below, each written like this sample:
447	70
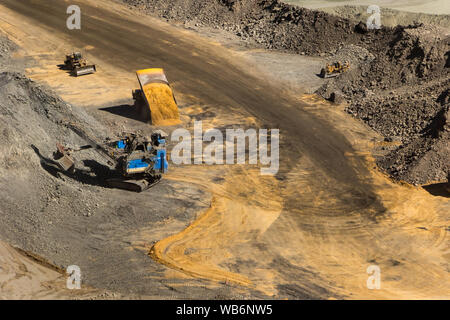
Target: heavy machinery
78	65
155	100
334	69
138	162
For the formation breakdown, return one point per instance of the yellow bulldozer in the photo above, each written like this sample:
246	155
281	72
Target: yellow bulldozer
78	65
334	69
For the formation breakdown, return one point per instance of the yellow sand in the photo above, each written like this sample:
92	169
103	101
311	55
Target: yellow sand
163	109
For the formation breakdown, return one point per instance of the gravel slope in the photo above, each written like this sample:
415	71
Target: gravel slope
74	218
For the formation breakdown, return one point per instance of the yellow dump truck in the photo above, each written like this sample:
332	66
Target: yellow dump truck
155	100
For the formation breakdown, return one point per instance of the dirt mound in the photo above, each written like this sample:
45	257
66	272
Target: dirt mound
401	94
411	55
29	111
265	23
404	113
420	51
355	55
32	120
424	158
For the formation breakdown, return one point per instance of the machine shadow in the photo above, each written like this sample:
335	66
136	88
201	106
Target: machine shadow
100	172
65	68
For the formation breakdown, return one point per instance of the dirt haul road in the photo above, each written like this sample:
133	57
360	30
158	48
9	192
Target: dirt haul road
309	232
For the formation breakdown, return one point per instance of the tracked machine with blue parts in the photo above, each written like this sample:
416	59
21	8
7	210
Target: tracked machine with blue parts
138	162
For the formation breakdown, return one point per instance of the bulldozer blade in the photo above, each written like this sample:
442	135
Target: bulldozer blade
132	185
85	70
331	75
64	161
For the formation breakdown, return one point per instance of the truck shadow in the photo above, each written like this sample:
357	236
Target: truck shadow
126	111
439	189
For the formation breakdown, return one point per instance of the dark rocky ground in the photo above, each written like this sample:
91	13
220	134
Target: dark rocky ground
403	94
398	82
